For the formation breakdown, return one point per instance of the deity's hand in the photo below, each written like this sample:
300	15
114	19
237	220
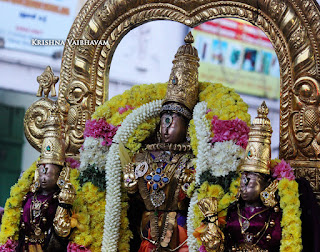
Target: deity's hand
213	238
62	220
129	178
186	179
67	194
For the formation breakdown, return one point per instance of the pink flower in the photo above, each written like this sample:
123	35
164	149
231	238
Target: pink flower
202	248
225	130
73	163
100	128
283	170
73	247
9	246
124	109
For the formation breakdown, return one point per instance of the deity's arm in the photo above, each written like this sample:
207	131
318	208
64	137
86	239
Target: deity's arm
210	234
129	179
132	171
62	220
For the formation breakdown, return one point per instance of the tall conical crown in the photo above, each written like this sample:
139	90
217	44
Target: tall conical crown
183	86
52	150
258	152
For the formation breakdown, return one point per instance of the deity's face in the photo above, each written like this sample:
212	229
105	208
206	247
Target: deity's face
173	128
48	177
251	185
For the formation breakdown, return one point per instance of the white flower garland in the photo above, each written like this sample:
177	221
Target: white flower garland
224	157
202	128
114	169
191	240
93	152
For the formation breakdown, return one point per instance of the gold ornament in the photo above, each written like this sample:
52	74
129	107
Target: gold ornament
268	196
36	183
183	86
47	82
52	150
64	176
62	219
258	152
213	238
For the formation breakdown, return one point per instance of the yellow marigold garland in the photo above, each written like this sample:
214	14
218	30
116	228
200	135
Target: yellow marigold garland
290	204
81	236
13	206
291	222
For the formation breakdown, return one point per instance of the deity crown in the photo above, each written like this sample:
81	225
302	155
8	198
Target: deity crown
52	150
258	151
183	85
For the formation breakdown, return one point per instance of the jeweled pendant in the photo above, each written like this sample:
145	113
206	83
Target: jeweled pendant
245	225
141	169
157	198
248	238
37	231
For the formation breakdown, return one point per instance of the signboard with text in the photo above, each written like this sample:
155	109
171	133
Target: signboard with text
239	55
24	21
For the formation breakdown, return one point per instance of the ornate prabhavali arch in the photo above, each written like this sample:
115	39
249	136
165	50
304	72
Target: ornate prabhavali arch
293	27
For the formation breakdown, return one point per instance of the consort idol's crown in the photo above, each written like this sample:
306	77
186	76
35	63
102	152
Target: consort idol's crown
258	151
52	150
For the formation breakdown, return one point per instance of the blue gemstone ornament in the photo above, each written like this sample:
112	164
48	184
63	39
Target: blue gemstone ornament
156	178
165	180
155	186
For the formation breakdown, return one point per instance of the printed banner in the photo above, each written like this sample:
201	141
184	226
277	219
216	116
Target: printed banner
24	22
239	55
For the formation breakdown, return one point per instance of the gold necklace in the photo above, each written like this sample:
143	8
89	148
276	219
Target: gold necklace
36	212
246	223
249	236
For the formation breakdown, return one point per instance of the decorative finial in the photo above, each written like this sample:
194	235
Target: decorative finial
189	38
47	82
263	110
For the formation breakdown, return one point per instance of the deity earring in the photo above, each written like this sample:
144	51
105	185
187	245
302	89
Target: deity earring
188	137
268	196
36	183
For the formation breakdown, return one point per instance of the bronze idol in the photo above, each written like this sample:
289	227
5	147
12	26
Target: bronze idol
162	172
253	223
45	217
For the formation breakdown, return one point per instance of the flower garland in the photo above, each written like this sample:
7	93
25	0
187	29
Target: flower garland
225	130
290	204
113	173
13	206
118	108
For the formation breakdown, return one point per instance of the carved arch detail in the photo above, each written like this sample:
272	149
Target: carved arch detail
292	26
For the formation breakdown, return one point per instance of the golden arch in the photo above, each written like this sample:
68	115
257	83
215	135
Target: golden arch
293	27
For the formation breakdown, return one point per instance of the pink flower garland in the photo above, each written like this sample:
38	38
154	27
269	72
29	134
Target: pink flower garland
225	130
9	246
283	170
124	109
73	247
100	128
73	162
